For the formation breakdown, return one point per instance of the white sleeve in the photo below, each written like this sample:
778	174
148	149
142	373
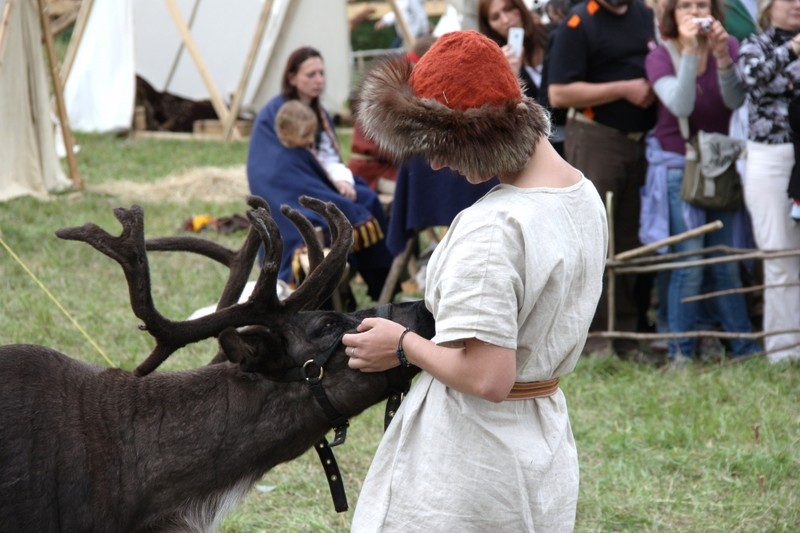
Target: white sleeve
339	172
388	19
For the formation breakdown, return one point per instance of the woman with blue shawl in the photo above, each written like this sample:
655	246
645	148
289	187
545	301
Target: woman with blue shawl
281	174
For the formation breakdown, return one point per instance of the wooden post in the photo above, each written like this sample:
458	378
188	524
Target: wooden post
652	247
216	100
401	25
248	69
58	91
75	41
395	271
611	275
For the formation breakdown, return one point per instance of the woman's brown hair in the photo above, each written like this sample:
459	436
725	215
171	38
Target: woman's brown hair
535	32
293	63
669	26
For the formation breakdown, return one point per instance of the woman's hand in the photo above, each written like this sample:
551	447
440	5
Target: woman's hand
374	347
345	189
688	31
718	41
514	61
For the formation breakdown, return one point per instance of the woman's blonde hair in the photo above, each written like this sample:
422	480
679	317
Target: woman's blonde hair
764	20
296	124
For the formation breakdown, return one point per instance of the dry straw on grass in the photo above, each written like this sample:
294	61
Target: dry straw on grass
210	184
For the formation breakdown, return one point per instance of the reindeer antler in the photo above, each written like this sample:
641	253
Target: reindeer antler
240	262
130	251
325	274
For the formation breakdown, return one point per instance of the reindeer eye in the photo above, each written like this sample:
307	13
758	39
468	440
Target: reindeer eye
324	327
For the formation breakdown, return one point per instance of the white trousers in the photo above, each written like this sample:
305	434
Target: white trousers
767	174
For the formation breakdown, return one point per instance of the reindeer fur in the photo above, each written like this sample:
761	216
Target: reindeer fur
83	448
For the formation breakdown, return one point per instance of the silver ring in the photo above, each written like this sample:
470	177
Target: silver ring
353	351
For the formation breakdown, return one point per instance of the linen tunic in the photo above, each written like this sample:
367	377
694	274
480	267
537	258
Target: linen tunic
521	269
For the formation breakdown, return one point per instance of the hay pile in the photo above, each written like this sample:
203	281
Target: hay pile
210	184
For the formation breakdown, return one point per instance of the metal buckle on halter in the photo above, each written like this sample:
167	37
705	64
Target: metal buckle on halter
309	378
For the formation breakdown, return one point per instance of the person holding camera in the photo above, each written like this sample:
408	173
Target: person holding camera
705	88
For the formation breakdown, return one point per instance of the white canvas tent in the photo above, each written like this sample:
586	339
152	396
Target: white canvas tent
28	161
198	49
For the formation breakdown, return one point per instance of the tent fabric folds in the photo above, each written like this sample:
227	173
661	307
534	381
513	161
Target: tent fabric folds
29	165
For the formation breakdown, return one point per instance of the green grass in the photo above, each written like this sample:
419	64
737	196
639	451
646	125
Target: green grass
660	451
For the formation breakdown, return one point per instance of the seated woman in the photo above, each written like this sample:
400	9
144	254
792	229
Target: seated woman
282	174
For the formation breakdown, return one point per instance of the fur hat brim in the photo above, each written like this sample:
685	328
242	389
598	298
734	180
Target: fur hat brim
480	142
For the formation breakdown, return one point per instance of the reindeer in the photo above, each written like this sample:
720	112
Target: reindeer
85	448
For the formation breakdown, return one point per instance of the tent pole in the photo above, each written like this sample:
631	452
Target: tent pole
280	20
191	46
58	92
401	24
75	41
248	69
4	28
178	54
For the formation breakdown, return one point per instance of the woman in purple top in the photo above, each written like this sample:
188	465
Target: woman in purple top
705	88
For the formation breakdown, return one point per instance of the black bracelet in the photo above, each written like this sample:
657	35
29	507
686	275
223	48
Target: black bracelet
401	355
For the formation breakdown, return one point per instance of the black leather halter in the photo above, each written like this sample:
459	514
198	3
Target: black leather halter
313	372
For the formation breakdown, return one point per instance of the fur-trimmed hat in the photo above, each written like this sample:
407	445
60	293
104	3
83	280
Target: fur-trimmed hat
461	105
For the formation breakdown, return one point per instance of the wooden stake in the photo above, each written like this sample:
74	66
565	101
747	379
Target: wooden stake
248	68
652	247
740	290
611	277
398	265
764	255
58	92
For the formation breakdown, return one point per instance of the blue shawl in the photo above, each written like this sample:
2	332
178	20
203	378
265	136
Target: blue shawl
424	197
281	175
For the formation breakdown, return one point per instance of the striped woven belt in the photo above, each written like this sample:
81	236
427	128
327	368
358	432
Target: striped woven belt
534	389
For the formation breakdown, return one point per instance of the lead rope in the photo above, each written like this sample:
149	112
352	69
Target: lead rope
58	304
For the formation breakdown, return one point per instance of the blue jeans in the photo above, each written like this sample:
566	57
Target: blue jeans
729	311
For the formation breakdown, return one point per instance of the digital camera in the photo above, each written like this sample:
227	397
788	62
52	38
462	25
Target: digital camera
704	23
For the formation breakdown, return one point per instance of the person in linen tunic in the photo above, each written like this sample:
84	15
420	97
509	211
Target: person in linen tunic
513	287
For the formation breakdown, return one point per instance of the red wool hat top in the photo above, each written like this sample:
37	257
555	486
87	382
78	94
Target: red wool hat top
455	72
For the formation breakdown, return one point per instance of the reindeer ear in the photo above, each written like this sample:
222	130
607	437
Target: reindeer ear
233	346
254	348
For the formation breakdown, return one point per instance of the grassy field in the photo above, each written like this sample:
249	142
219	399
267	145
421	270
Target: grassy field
706	449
